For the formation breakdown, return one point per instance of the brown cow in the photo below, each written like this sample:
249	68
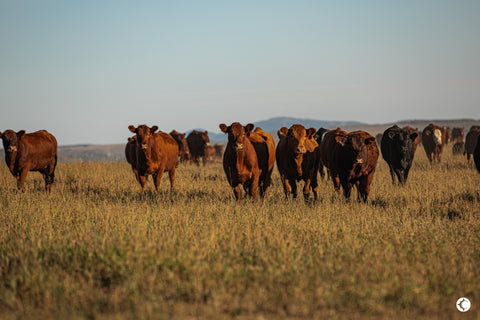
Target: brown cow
156	152
471	141
197	141
26	152
209	154
183	152
433	140
266	157
219	150
240	161
458	134
131	154
416	141
351	159
448	135
298	158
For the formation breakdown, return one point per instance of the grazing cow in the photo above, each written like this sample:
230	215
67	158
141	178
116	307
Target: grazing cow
240	161
24	152
209	154
433	139
416	141
298	158
458	148
197	141
471	141
458	134
183	152
219	150
131	154
476	155
156	152
398	150
319	137
259	137
351	159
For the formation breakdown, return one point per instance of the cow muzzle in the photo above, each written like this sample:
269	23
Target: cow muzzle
144	146
12	149
359	161
239	147
300	150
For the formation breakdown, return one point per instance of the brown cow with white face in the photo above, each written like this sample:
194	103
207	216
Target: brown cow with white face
156	152
433	140
26	152
240	161
298	158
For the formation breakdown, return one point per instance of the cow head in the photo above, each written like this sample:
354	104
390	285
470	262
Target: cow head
181	141
437	136
299	140
355	150
10	140
237	134
402	139
143	134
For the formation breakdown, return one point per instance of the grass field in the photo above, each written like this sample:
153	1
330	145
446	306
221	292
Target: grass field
99	248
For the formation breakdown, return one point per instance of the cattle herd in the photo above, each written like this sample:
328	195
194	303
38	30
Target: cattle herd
249	157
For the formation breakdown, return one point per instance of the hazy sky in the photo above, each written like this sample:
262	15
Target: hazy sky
85	70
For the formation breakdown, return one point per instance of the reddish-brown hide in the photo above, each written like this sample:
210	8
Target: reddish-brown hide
155	153
26	152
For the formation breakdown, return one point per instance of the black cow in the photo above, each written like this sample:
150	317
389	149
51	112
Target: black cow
319	137
398	150
476	155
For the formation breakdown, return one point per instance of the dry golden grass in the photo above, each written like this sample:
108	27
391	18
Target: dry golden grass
98	248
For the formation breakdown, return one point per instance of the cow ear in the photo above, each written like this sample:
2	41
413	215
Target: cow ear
132	129
414	136
223	127
249	127
153	129
20	134
284	130
311	132
206	132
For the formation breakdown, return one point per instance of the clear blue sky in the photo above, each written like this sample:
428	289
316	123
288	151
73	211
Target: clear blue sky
85	70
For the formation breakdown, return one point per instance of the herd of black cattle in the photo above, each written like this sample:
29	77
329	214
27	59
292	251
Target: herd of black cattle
250	155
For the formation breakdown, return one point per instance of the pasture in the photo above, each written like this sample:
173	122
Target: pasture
99	248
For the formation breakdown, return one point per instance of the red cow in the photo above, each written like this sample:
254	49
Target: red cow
26	152
352	160
156	152
298	159
433	140
240	161
183	151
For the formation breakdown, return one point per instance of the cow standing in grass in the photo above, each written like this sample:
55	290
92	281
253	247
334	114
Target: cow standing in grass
26	152
351	159
298	158
471	141
398	150
155	153
183	151
433	140
197	141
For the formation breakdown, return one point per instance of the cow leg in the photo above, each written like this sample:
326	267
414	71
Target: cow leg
306	189
157	178
238	194
347	188
287	188
392	174
21	178
254	186
294	188
141	180
171	175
